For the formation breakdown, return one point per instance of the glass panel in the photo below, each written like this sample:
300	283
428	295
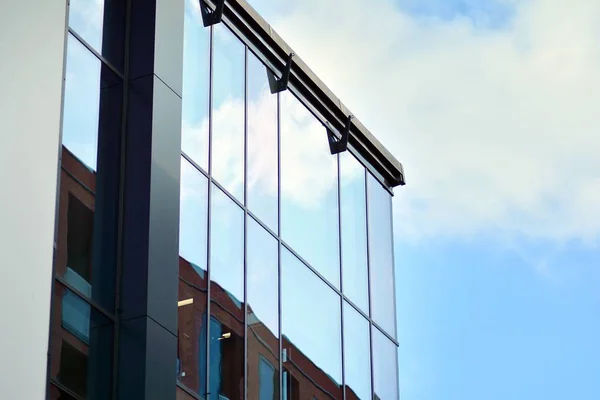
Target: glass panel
263	313
88	199
381	256
101	23
193	286
81	345
357	355
354	231
227	294
262	145
385	367
194	137
309	208
311	328
228	111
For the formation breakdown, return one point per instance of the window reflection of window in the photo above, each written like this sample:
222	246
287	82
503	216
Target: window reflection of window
266	382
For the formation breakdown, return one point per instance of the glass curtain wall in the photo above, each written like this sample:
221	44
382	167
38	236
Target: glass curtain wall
283	288
85	268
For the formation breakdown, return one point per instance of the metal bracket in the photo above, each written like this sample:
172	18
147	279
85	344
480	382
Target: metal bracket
210	17
279	85
340	145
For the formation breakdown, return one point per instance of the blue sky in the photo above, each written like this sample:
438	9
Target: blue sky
496	233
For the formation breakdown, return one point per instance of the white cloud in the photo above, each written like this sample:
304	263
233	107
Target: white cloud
496	128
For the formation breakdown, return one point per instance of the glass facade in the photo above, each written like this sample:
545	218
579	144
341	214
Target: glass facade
285	274
83	308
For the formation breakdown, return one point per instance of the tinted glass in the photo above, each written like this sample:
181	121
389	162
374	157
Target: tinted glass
56	394
227	296
311	330
193	285
354	231
262	145
87	82
309	203
81	345
182	395
357	355
101	23
88	199
263	313
228	111
194	136
381	256
385	367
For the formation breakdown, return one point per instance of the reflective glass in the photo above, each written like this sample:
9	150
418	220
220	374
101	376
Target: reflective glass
87	81
228	111
194	136
311	328
81	345
262	145
357	355
227	296
381	256
263	313
385	367
101	23
89	185
354	231
182	395
193	285
309	202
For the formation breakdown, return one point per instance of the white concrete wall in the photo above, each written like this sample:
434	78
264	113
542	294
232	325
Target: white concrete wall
32	37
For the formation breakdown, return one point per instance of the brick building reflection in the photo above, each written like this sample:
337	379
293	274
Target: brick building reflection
81	344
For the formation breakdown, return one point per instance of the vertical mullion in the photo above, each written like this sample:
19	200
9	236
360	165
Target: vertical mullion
122	174
279	298
209	204
245	358
369	281
339	193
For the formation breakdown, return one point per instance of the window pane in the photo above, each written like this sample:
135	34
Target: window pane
194	137
309	208
357	355
263	313
385	367
262	145
56	394
227	296
81	345
381	256
89	184
311	324
354	231
191	338
101	23
228	111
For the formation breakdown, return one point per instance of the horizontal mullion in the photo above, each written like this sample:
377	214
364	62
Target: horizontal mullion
91	302
95	53
65	389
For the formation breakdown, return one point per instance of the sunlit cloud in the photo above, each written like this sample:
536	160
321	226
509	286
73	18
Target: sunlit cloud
496	127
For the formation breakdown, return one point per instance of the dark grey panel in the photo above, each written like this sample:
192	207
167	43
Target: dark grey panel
147	354
164	207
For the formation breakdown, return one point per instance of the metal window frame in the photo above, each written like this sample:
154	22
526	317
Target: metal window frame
257	34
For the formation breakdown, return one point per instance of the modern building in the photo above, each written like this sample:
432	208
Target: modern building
191	213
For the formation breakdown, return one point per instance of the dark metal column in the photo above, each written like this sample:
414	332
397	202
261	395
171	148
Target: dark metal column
148	304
